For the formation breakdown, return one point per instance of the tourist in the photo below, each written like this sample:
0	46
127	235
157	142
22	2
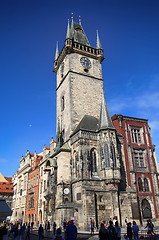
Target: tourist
92	227
129	231
135	230
126	220
54	228
58	235
71	231
28	232
104	222
40	232
111	231
103	233
64	224
118	230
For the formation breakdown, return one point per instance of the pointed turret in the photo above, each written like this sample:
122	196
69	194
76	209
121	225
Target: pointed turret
68	34
98	44
57	52
105	121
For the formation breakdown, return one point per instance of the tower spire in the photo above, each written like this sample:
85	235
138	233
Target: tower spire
68	35
105	121
57	52
98	44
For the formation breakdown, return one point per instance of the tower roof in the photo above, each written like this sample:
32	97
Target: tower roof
98	44
105	121
88	123
68	34
78	34
57	52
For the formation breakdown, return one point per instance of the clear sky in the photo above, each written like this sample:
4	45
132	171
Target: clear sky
29	29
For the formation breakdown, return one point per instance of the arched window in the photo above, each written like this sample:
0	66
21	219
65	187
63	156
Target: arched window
93	160
76	164
113	155
146	209
106	155
146	185
140	184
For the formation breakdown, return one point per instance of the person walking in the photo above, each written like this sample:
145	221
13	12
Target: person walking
92	227
28	232
118	230
129	231
135	230
111	231
40	232
54	228
103	233
71	231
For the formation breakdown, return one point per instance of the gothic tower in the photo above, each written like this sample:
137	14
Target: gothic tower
88	168
79	79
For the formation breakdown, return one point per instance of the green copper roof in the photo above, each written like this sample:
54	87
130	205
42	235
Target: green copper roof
98	44
105	120
68	34
77	34
57	52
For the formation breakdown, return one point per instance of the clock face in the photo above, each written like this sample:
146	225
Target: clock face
66	191
85	62
62	68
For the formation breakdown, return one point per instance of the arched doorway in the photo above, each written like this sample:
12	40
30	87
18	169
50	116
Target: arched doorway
146	209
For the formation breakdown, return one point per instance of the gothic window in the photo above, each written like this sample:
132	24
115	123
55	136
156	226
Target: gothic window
76	164
106	155
146	209
140	185
93	160
146	185
135	135
113	155
62	103
139	159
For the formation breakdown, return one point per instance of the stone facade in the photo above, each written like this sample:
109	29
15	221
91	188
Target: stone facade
100	167
96	173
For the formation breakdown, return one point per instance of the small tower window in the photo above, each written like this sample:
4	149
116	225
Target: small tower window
140	185
62	103
146	185
113	155
106	155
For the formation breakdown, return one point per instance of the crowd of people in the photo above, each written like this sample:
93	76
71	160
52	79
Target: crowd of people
108	231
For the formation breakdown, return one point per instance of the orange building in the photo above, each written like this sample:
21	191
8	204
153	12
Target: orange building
6	189
32	190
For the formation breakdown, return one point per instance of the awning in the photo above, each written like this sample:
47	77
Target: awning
4	209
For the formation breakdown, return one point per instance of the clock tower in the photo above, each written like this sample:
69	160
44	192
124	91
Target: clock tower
79	80
87	161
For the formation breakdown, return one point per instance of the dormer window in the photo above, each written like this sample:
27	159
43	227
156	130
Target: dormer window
79	30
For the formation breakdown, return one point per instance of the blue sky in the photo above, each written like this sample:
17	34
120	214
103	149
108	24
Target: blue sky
29	29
